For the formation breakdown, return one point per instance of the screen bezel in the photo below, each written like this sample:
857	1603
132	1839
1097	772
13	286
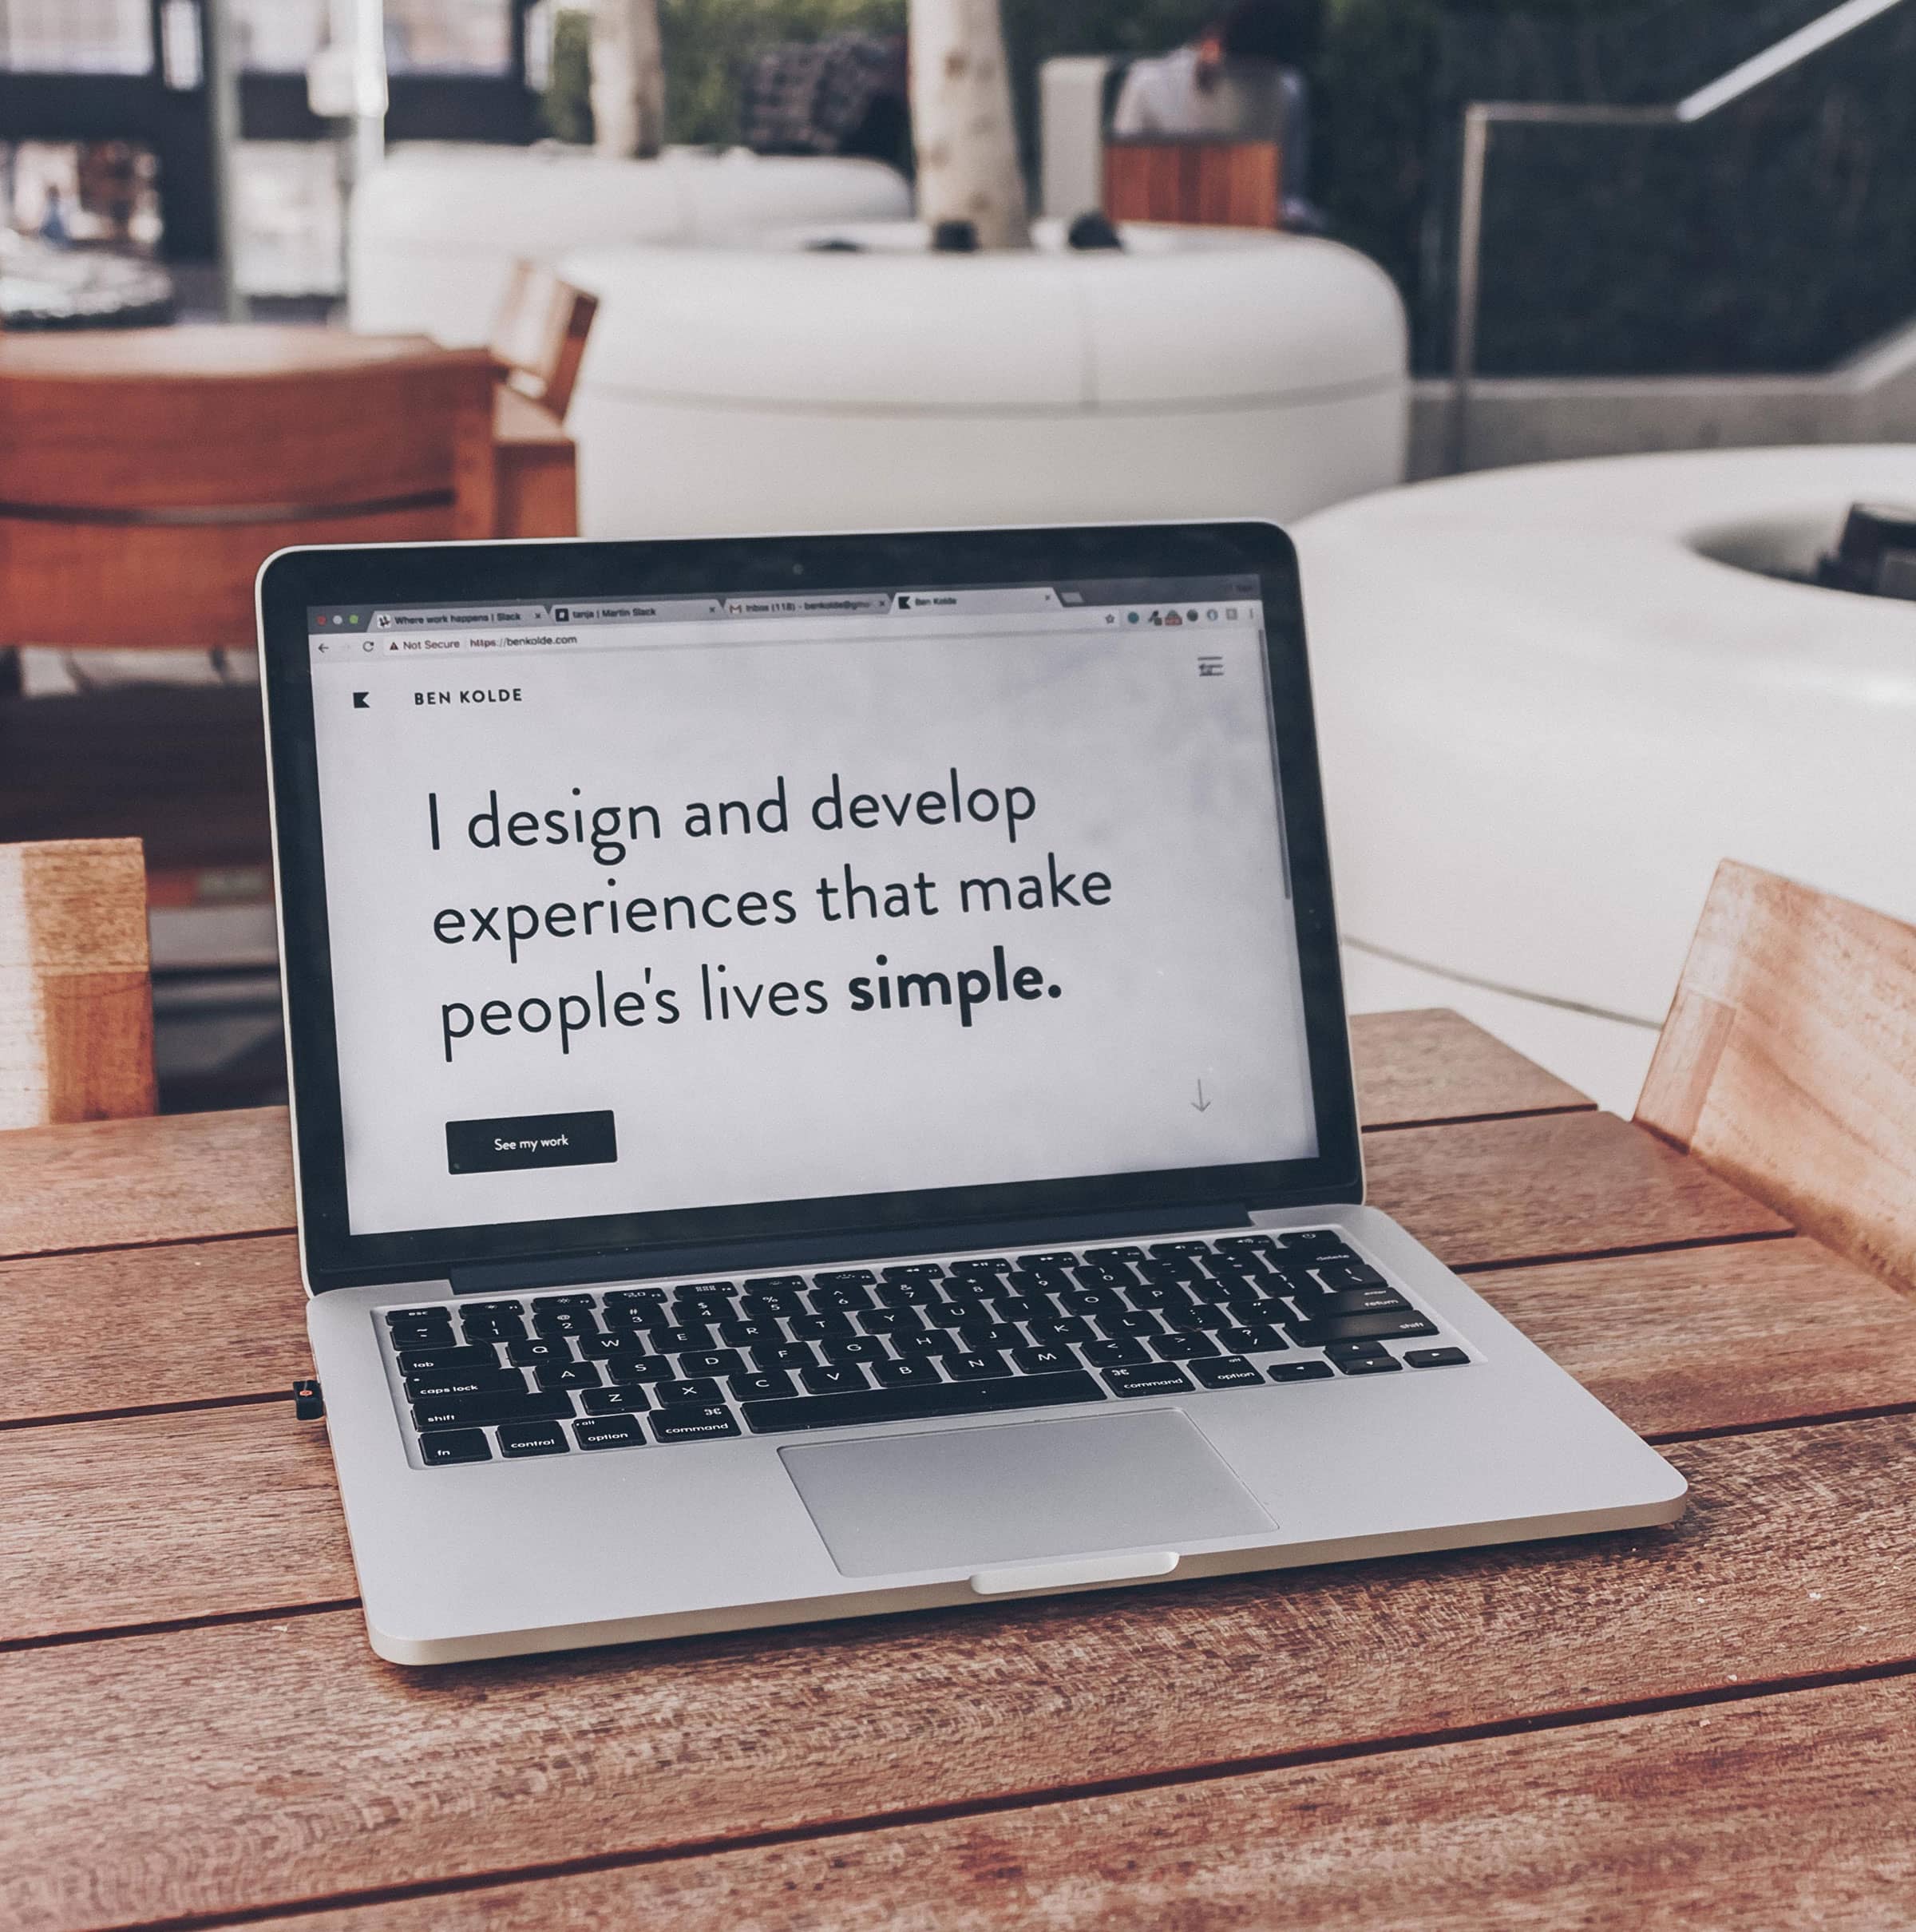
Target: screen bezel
293	580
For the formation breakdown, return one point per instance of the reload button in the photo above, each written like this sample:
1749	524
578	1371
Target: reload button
530	1140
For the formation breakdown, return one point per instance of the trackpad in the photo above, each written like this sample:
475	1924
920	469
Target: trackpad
958	1498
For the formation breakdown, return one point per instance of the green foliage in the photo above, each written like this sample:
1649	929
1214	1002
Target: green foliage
709	43
566	110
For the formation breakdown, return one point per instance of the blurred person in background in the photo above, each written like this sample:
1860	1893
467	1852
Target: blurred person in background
1241	79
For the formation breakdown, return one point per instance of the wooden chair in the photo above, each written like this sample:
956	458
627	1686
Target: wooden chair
539	335
1212	184
1788	1062
539	339
75	1009
145	477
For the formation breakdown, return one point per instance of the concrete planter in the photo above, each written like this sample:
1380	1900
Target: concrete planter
1552	698
435	231
1198	373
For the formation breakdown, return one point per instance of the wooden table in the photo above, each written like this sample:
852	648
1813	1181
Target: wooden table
1711	1725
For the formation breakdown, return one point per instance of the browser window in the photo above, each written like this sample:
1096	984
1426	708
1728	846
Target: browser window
658	903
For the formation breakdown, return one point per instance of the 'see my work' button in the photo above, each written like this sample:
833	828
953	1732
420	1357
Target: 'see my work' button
530	1140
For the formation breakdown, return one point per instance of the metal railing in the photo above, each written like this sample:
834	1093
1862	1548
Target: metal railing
1480	116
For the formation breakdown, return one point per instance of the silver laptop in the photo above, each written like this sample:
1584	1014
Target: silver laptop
821	1086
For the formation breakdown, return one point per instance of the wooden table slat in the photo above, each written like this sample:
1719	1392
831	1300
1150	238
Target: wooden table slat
228	1767
155	1518
186	1178
1779	1811
201	1323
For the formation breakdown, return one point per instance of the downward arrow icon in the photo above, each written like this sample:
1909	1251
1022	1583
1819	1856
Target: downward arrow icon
1202	1105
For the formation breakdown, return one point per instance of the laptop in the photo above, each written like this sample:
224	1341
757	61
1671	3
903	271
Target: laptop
821	1086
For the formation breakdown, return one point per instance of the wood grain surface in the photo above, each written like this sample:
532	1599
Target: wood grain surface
1416	1069
226	1768
199	1321
231	1511
1788	1810
123	1183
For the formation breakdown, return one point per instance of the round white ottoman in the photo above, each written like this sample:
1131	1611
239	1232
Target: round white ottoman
1549	706
1198	373
435	231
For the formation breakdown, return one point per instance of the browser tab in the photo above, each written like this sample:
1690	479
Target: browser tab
977	603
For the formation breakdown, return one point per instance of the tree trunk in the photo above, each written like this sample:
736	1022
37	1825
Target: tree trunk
961	122
628	78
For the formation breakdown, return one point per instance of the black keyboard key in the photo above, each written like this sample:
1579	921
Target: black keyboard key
773	1306
1249	1311
422	1334
1115	1355
905	1374
1245	1244
443	1446
1063	1333
1435	1358
726	1287
1043	1361
767	1388
687	1310
613	1401
959	1312
1103	1274
690	1425
711	1362
1339	1352
537	1354
1139	1323
1051	1258
1358	1327
610	1432
834	1381
492	1327
776	1284
979	1267
976	1365
818	1328
474	1355
624	1299
769	1356
1227	1372
616	1344
921	1294
915	1404
638	1370
1348	1274
1113	1254
462	1411
841	1349
914	1271
744	1334
1300	1371
845	1278
1384	1301
919	1345
469	1309
1261	1339
397	1318
674	1338
980	1335
430	1382
1153	1379
1371	1365
569	1375
1312	1240
1024	1308
1090	1301
693	1391
518	1438
844	1299
889	1321
1187	1347
1172	1251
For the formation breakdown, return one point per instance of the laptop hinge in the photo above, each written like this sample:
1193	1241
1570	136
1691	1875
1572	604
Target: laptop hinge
805	1251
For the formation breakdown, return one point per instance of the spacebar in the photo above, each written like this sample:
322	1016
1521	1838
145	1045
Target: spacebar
915	1404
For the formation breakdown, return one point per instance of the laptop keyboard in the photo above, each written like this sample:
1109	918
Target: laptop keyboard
547	1374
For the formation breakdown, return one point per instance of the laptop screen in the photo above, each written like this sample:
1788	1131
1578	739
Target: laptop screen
645	905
